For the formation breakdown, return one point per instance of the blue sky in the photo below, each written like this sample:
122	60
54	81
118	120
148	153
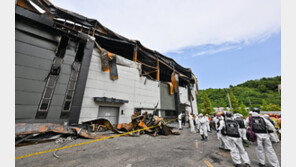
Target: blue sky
224	42
233	66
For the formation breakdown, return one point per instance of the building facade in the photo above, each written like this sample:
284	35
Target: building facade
59	76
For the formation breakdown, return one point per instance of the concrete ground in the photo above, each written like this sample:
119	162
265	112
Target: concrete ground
186	149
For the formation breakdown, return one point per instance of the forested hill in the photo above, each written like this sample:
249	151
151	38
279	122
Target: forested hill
251	93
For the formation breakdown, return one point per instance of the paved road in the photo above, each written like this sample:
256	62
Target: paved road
186	149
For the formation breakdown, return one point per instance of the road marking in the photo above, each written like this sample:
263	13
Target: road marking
88	142
224	154
196	144
208	163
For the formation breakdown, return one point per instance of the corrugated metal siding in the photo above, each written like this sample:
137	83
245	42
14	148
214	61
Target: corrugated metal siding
34	53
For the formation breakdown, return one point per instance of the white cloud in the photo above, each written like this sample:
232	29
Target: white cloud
217	50
171	25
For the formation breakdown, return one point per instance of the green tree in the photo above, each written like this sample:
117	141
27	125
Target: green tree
234	103
199	107
264	106
225	109
207	105
247	93
243	110
273	107
262	88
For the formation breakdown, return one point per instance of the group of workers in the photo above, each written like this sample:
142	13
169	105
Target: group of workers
233	133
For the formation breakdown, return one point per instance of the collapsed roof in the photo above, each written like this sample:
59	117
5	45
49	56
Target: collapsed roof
154	65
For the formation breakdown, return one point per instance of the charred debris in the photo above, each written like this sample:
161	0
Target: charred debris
145	123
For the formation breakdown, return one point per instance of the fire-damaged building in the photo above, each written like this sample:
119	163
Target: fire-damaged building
70	69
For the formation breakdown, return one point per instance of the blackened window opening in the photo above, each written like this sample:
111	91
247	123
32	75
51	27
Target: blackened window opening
69	95
51	79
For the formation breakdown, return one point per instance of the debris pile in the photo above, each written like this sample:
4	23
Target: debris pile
28	133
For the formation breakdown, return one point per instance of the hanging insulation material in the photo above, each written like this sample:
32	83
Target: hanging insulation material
108	62
171	88
175	81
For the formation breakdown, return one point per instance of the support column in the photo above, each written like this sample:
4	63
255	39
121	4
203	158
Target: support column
158	71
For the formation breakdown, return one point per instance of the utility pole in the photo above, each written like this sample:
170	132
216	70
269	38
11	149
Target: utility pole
228	99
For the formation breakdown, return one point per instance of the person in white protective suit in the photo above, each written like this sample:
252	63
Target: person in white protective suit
242	128
260	126
191	123
216	120
203	128
208	122
197	118
273	136
235	144
180	120
222	137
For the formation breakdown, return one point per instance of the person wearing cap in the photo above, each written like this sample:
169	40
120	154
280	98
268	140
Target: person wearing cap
203	129
260	126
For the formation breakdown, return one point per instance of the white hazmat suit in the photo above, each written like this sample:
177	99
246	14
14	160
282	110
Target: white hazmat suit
180	120
191	123
203	129
242	131
273	136
216	120
197	118
222	138
208	123
264	145
237	150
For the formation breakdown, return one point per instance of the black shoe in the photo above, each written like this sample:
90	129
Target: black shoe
261	165
206	138
247	165
237	165
202	137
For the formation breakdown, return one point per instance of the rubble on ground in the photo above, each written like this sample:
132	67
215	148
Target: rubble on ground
29	133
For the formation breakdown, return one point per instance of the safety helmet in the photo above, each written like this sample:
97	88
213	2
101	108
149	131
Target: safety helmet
257	110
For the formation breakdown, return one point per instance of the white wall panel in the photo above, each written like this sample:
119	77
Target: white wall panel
129	86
